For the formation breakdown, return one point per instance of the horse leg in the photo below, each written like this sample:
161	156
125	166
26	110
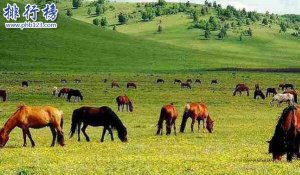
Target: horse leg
192	124
53	135
103	134
78	131
122	107
198	125
111	134
168	126
84	133
24	137
174	126
30	138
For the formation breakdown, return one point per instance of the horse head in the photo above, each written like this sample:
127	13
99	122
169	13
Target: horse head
209	125
3	138
277	147
122	134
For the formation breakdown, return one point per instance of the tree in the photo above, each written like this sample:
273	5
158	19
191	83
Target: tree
89	11
195	16
215	4
206	34
77	3
241	37
188	4
283	27
250	32
247	21
103	22
69	12
96	21
114	28
265	21
203	12
122	18
161	3
206	2
159	29
101	1
215	23
98	9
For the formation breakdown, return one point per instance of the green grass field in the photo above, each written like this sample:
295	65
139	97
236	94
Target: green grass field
79	50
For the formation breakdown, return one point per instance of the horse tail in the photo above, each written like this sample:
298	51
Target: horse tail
80	95
184	117
295	97
76	119
161	118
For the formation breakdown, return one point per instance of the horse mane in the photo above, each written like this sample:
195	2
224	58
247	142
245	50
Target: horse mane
116	120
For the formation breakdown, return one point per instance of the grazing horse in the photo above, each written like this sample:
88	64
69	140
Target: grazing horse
271	91
289	98
186	85
286	138
34	117
102	116
77	81
3	95
169	114
197	111
131	85
256	87
286	86
240	88
198	81
54	91
259	93
114	84
214	81
122	101
75	93
63	81
105	80
177	81
294	93
160	80
189	81
63	91
24	83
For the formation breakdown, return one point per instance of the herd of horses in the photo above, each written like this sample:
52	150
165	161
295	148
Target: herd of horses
285	140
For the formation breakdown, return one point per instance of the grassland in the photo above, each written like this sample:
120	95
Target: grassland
137	53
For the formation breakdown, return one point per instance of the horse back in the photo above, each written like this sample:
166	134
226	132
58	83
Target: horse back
170	111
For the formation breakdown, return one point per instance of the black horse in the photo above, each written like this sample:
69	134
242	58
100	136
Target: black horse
177	81
103	116
3	95
24	83
271	91
198	81
76	93
160	80
286	86
259	93
189	81
214	81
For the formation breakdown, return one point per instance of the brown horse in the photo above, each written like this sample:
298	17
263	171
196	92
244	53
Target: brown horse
3	95
197	111
169	114
286	86
122	101
131	85
34	117
240	88
286	138
64	91
114	84
293	92
186	85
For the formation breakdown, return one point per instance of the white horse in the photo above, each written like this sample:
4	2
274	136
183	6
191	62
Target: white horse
54	91
289	98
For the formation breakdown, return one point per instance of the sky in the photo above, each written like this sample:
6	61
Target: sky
273	6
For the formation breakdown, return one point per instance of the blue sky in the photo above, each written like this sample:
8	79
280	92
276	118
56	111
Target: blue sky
273	6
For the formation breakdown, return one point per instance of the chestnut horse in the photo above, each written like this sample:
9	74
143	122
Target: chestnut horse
286	138
240	88
197	111
169	114
3	95
102	116
131	85
63	91
34	117
294	93
122	101
114	84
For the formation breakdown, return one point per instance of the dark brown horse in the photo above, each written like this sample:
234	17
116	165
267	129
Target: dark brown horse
177	81
259	93
271	91
169	114
24	84
34	117
63	91
240	88
294	93
198	81
131	85
160	80
197	111
122	101
3	95
189	81
102	116
286	138
114	84
214	81
256	87
186	85
286	86
76	93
